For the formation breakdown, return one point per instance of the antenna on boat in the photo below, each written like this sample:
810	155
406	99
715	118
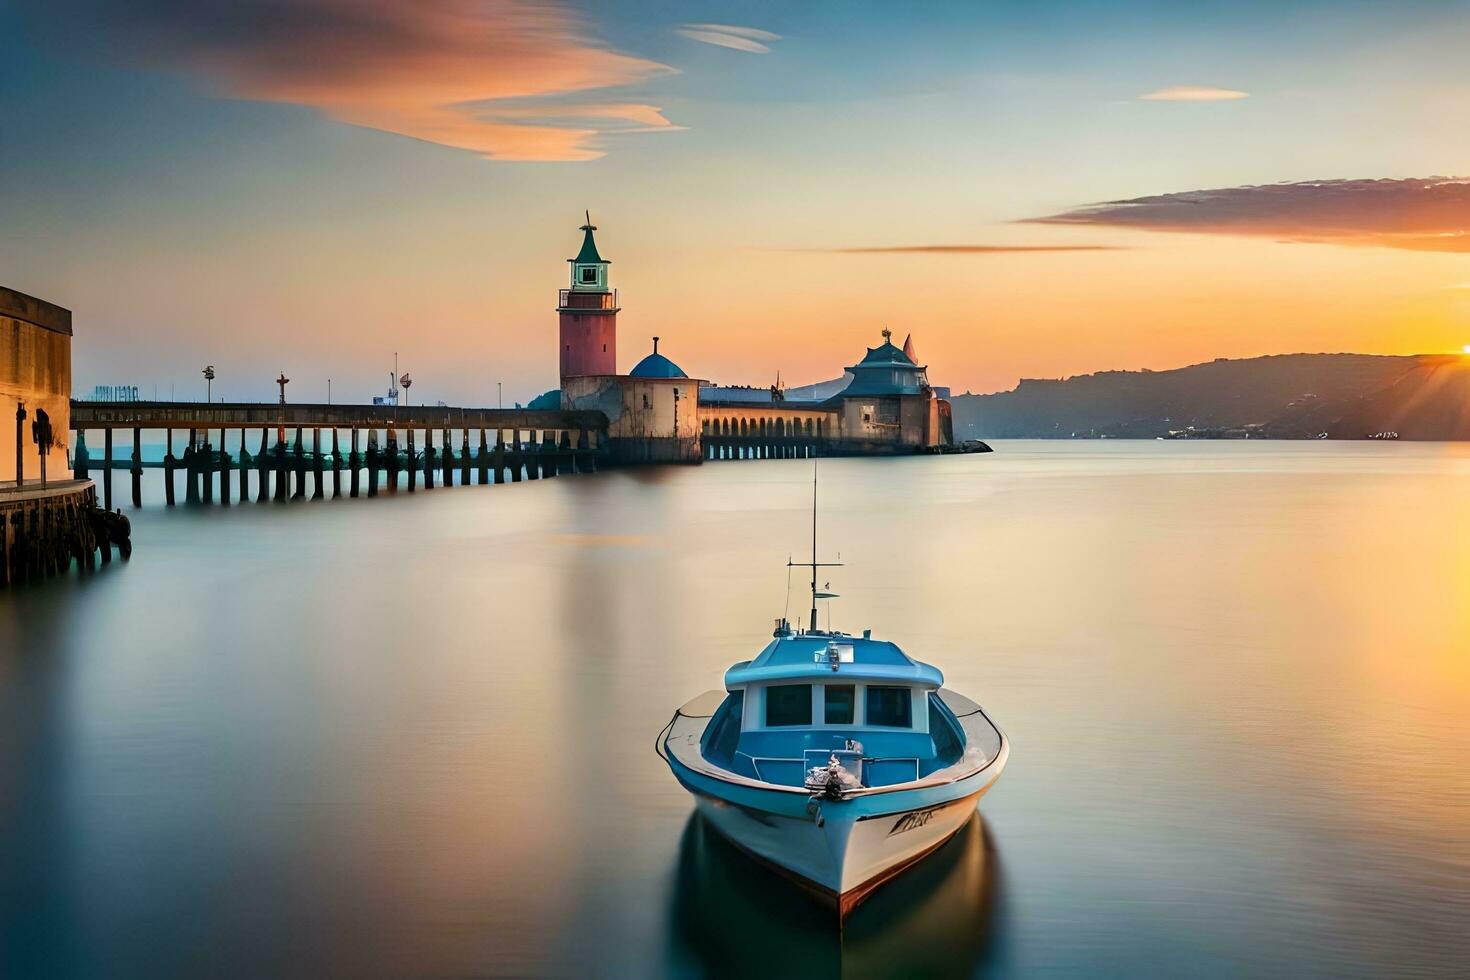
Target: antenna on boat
812	624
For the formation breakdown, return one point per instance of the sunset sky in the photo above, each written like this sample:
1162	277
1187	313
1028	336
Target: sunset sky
310	185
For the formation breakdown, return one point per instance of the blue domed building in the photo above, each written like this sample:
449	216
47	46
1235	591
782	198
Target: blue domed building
655	365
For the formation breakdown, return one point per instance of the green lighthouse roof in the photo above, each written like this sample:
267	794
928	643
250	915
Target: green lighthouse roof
589	246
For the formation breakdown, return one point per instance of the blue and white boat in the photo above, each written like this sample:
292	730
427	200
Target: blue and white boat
836	759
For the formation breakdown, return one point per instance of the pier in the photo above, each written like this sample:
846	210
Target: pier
44	528
298	448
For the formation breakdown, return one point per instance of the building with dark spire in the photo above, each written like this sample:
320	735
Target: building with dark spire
588	310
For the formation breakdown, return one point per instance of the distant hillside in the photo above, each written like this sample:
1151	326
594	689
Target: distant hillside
1287	396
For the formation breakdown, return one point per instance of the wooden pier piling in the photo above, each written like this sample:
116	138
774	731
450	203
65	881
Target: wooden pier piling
262	468
413	466
106	471
354	460
136	470
245	461
336	465
224	468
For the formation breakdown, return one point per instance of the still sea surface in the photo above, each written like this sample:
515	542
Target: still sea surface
413	736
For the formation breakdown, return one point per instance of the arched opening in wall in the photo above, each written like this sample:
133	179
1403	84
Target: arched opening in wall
743	431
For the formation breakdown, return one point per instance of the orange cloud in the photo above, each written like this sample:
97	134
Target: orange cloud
480	75
961	249
1423	213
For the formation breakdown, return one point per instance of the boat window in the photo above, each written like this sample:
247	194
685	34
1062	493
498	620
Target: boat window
788	704
947	746
723	735
839	703
890	707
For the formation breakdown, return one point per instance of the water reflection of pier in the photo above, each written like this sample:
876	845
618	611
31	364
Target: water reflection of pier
737	918
383	443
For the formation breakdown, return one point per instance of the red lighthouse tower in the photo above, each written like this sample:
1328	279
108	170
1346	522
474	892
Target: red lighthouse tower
589	314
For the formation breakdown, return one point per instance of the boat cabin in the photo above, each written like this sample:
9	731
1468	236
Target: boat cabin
810	697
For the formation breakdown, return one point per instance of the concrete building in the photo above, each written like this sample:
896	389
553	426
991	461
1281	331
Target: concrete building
35	375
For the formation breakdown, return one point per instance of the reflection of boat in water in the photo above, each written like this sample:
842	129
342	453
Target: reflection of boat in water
837	759
936	920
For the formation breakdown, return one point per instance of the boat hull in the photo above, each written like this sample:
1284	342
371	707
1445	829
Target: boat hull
840	857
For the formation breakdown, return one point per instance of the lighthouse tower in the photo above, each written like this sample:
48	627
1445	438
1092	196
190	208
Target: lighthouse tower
589	314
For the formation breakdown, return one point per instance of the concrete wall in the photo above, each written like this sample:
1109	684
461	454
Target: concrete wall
35	368
898	420
647	423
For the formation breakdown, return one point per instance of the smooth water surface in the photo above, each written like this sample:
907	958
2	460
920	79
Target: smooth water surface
414	735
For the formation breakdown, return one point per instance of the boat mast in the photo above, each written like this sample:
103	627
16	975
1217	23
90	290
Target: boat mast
812	623
811	626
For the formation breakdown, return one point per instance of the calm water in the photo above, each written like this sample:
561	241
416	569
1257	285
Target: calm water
413	735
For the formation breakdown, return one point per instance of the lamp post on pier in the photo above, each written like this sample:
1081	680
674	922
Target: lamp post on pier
283	381
209	382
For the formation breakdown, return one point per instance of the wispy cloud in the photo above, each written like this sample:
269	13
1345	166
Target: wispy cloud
959	249
1193	93
1420	213
749	39
490	76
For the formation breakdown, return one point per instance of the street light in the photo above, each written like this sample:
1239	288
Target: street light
283	381
208	382
407	383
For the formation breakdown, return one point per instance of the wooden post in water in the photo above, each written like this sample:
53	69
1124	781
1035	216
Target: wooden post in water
298	464
464	457
191	468
392	460
355	462
428	458
262	468
245	462
106	472
336	465
136	471
446	458
278	493
316	464
204	461
413	464
372	463
483	462
499	460
224	467
168	469
517	455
